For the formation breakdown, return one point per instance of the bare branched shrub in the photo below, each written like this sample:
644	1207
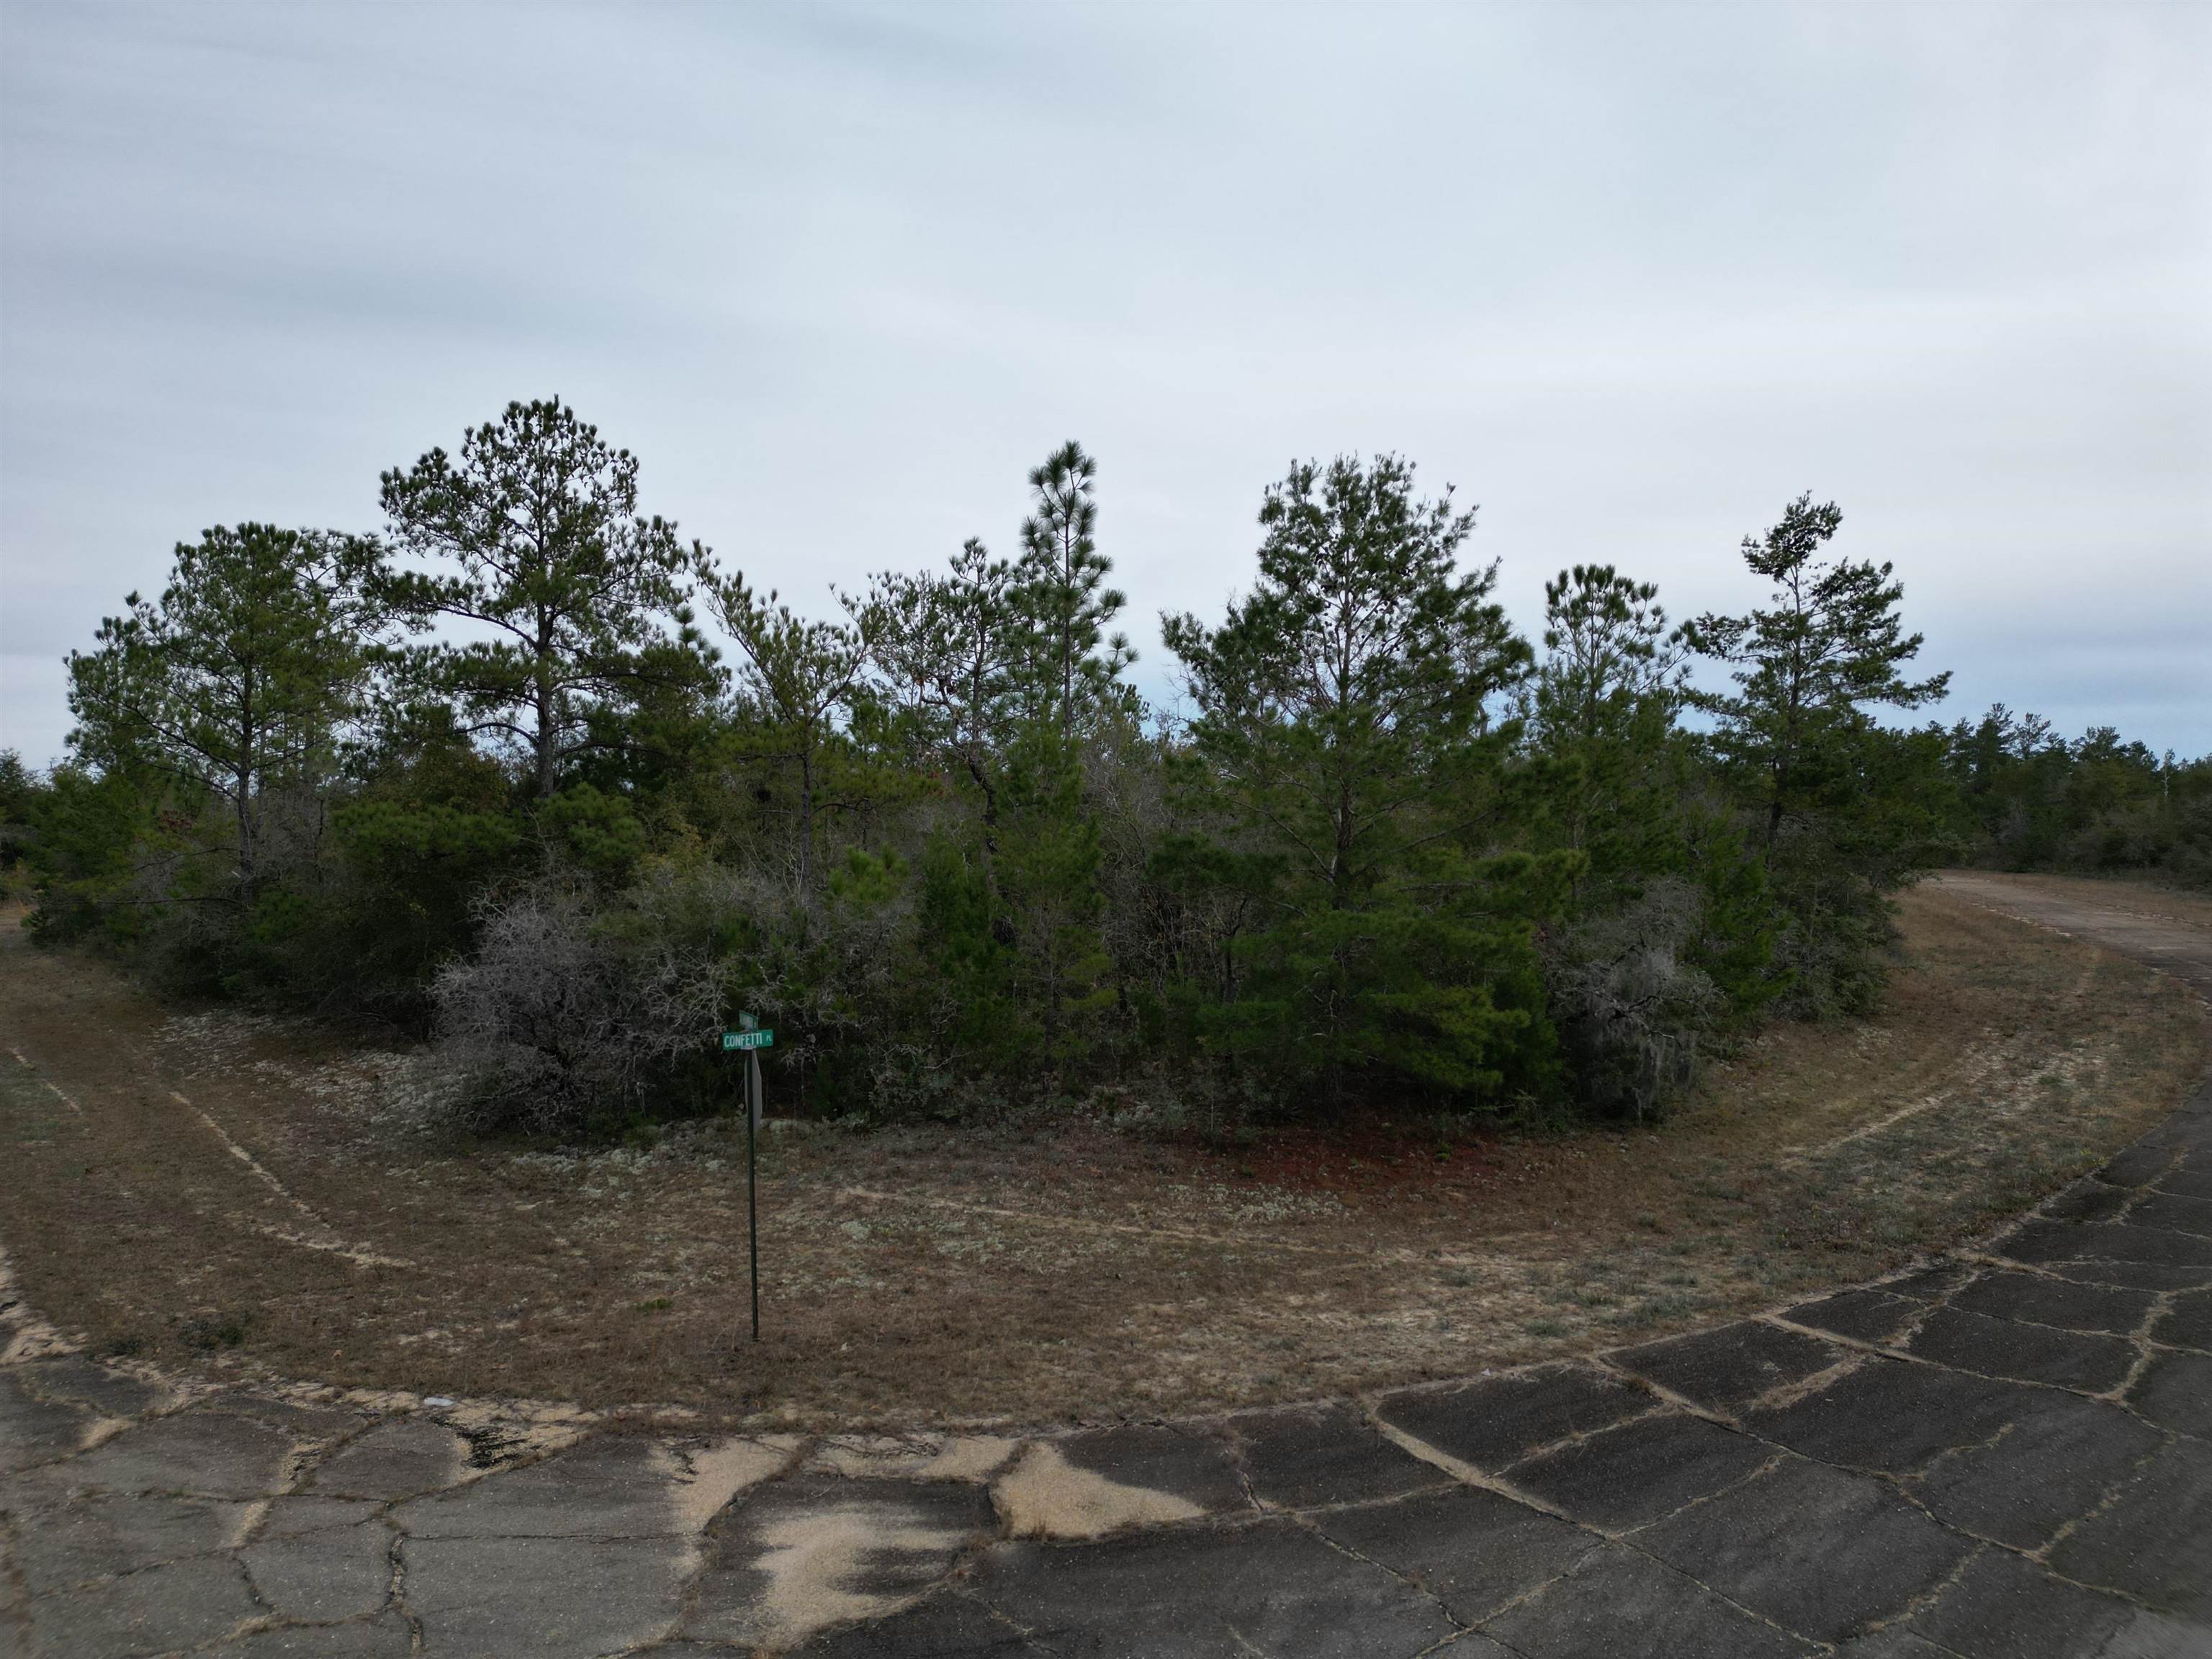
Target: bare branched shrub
1632	1014
562	1018
833	975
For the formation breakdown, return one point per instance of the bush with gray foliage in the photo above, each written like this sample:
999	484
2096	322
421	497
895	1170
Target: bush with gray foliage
1632	1015
559	1021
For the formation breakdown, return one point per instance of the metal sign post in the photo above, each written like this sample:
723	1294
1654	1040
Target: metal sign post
751	1040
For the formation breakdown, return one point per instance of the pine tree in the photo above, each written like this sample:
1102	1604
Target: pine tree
1667	932
800	679
1602	709
945	647
1344	751
534	537
237	681
1831	646
1843	809
1060	594
1006	674
1064	685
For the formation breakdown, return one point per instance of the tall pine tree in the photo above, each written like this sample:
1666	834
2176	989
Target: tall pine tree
1344	752
1841	809
235	683
534	540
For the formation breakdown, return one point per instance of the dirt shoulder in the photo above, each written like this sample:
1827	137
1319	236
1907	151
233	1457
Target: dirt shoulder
250	1197
2159	926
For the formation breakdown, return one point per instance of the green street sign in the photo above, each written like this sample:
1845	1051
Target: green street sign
748	1039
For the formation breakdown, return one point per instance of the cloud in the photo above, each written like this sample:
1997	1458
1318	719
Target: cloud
1630	277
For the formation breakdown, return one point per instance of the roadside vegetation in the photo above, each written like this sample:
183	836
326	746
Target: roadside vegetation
528	773
1051	1262
2096	804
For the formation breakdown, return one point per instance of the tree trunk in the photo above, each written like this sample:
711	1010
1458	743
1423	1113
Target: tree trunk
546	697
244	783
807	827
1339	874
990	800
548	738
244	828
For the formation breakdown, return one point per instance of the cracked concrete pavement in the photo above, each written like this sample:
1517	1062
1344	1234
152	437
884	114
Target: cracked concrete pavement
2005	1453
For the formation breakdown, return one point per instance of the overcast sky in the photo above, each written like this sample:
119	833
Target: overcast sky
1630	277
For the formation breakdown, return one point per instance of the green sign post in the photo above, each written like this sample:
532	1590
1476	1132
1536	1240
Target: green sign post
749	1039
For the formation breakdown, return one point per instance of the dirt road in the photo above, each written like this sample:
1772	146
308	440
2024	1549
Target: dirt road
2169	931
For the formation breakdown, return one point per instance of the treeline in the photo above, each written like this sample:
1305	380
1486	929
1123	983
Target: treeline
483	775
2030	799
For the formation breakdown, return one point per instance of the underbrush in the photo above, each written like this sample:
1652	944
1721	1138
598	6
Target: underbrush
1077	1256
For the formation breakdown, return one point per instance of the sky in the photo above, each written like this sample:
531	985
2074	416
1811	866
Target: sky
1628	277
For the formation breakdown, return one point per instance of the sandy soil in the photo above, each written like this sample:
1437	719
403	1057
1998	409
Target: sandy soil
2087	900
245	1196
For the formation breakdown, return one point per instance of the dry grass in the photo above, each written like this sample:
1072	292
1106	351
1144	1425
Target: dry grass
2138	896
244	1196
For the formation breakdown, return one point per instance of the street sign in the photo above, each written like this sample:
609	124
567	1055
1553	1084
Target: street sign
749	1036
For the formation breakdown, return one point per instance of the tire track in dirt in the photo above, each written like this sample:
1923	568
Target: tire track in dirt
326	1238
332	1241
250	1161
47	1084
2173	941
1977	1063
1150	1281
